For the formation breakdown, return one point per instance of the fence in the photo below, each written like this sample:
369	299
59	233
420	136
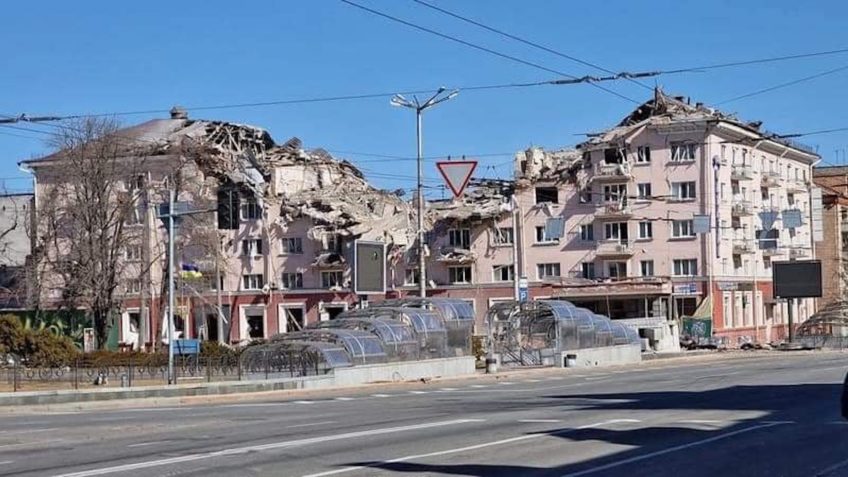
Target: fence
823	341
86	373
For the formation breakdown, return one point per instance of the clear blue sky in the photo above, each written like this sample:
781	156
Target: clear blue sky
79	57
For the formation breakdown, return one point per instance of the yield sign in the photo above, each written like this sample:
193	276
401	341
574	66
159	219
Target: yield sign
456	174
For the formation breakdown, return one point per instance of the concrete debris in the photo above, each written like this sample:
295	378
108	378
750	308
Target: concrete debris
536	163
329	259
484	199
456	255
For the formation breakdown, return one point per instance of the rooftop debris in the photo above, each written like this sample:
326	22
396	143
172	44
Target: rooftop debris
456	255
483	199
536	163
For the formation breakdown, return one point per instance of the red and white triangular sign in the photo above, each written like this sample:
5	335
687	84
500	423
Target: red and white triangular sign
457	174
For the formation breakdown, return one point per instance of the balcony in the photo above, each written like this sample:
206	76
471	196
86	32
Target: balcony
456	255
612	172
797	186
741	173
613	210
741	208
614	248
742	246
771	179
772	251
795	253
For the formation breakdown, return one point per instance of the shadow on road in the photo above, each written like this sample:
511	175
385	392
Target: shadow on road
796	435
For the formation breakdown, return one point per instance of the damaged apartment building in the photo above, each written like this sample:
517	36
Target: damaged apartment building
284	262
677	211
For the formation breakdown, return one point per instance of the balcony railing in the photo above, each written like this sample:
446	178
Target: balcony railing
799	253
797	185
743	246
772	251
741	208
741	173
614	248
611	172
771	178
613	210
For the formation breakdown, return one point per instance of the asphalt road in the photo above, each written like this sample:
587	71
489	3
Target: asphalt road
766	414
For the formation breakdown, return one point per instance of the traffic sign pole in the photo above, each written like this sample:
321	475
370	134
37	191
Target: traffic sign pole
456	174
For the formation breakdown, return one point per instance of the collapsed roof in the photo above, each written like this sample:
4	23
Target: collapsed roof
536	163
484	199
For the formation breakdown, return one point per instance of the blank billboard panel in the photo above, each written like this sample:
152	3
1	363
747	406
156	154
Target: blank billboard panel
369	267
800	279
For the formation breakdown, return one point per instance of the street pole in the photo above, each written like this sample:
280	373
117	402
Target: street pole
791	333
171	236
422	282
516	276
399	100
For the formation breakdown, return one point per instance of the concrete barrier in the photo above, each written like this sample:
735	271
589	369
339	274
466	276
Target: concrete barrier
339	377
606	356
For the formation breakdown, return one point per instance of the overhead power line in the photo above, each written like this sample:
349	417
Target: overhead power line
479	47
784	85
524	41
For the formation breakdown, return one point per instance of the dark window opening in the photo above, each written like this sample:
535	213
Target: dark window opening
256	326
547	194
613	155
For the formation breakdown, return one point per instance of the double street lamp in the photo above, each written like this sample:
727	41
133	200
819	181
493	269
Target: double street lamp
419	107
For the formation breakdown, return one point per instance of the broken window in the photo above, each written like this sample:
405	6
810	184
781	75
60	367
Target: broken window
546	270
613	155
683	190
459	274
547	195
687	267
412	277
615	193
616	231
644	190
132	253
790	199
255	325
330	242
252	282
504	236
587	270
585	196
647	268
643	154
503	273
541	236
332	279
291	281
250	209
616	269
554	228
292	245
460	238
683	151
251	247
682	229
587	232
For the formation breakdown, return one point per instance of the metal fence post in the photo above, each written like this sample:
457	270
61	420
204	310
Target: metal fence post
130	374
267	363
238	363
76	373
208	369
15	377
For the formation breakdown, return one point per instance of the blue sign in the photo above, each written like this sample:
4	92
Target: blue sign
186	347
523	290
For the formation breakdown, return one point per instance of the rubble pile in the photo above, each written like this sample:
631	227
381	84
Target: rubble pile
484	199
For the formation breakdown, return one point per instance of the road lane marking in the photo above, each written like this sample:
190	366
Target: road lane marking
31	431
256	404
304	402
419	392
154	409
8	446
532	380
4	462
311	424
473	447
669	450
539	420
345	399
145	444
479	386
506	383
381	395
448	389
264	447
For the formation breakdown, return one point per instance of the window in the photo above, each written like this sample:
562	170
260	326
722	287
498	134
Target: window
133	286
737	263
332	279
587	270
722	194
767	263
251	247
683	151
790	199
504	236
252	282
683	190
135	183
330	243
643	154
542	237
616	269
411	277
255	325
585	196
291	281
613	155
646	230
647	268
545	270
459	274
503	273
687	267
722	229
682	229
547	194
764	195
587	232
460	238
292	245
135	215
615	231
250	209
615	192
644	191
132	253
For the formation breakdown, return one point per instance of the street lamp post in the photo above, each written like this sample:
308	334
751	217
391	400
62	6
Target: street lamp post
419	107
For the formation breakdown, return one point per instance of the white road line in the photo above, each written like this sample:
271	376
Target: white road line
702	421
596	378
263	447
382	395
448	389
4	462
832	468
304	402
145	444
154	409
839	423
478	386
345	399
669	450
531	381
9	446
506	383
311	424
257	404
470	448
419	392
30	431
539	420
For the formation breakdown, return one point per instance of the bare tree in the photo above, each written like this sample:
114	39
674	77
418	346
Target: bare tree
87	215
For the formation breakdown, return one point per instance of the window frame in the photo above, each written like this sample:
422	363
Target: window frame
542	270
498	272
690	148
546	191
249	210
247	279
287	276
505	235
285	245
643	154
649	229
676	232
647	264
327	284
251	247
643	187
467	278
464	235
690	264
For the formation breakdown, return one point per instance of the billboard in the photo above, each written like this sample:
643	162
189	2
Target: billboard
369	267
797	279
